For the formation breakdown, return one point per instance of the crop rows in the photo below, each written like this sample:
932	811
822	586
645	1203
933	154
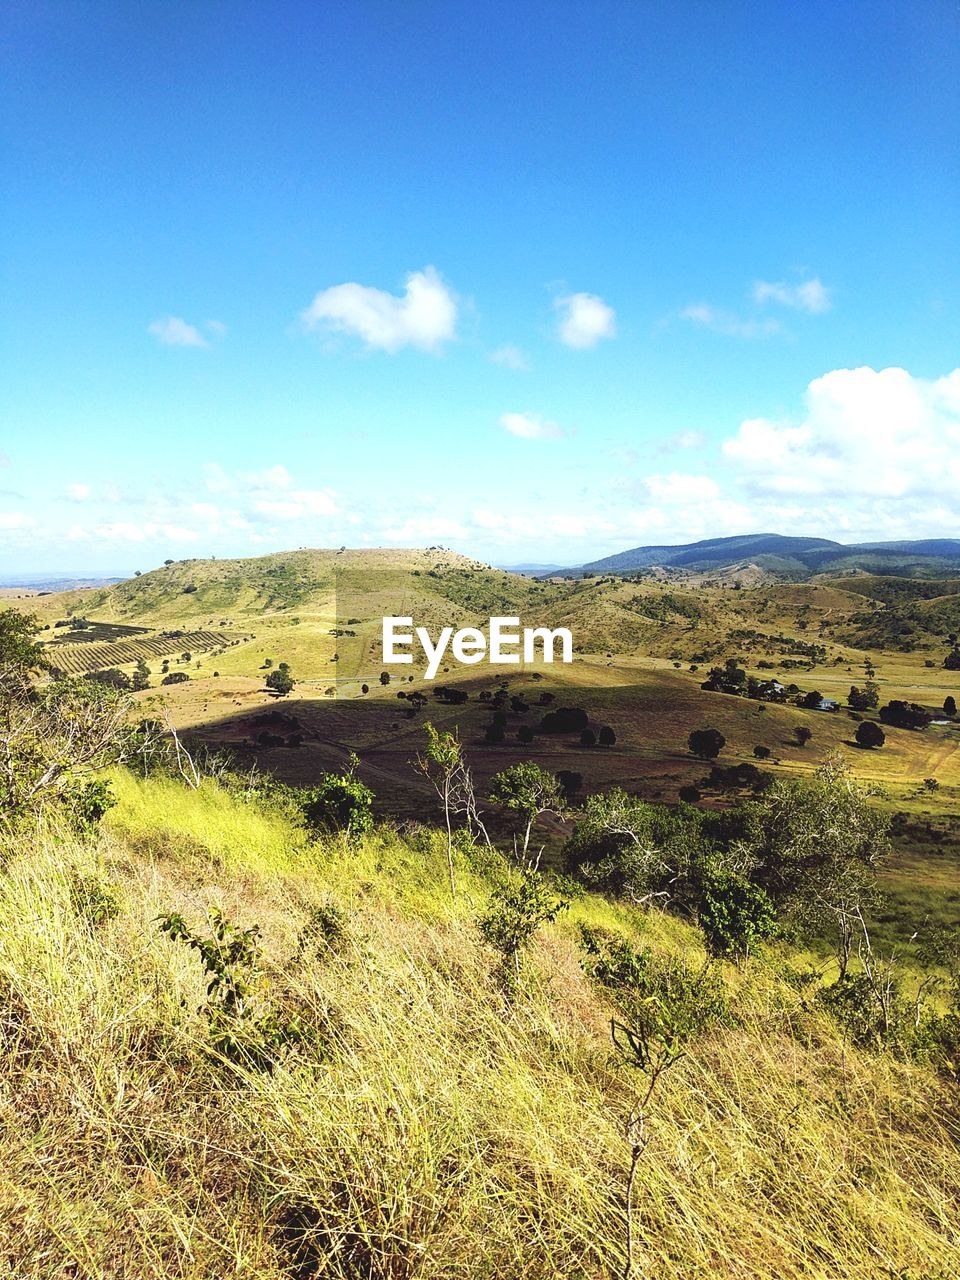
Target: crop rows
76	659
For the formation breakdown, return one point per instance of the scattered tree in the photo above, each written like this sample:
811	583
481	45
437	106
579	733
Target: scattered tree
706	743
869	734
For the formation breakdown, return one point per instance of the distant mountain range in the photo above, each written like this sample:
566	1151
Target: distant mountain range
37	582
791	557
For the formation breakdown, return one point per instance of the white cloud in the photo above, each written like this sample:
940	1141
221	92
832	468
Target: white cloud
419	529
530	426
217	328
424	316
677	488
728	323
875	433
173	331
811	296
585	320
511	358
297	503
78	492
16	520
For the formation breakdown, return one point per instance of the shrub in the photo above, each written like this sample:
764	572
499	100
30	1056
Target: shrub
734	914
339	804
516	910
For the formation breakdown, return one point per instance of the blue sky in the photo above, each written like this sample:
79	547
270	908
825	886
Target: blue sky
534	281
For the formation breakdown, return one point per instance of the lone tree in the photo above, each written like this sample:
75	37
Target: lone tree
384	678
949	705
280	681
803	733
606	737
761	752
706	743
528	791
869	734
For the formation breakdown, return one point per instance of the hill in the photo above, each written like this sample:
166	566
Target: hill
789	556
355	1092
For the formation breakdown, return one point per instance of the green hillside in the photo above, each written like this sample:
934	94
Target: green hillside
381	1105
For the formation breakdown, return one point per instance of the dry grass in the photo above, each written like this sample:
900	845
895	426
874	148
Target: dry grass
431	1129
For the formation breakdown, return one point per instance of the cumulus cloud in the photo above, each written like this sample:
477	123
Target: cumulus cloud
678	488
706	316
173	331
882	433
511	358
530	426
585	320
423	316
811	296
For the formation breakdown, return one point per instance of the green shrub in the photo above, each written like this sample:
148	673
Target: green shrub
339	804
735	914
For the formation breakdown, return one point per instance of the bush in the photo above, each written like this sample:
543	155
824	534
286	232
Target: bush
338	804
175	677
735	914
514	914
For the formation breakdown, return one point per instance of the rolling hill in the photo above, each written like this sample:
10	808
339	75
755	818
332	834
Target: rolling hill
790	556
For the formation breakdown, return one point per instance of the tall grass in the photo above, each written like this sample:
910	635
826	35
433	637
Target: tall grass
430	1126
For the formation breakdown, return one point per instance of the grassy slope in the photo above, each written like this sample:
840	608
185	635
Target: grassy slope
439	1133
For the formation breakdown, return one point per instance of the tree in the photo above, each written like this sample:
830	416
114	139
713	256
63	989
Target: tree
588	738
761	752
384	678
904	715
175	677
803	733
706	743
952	661
815	847
570	783
528	791
949	706
869	734
525	734
20	651
141	676
444	765
53	738
112	676
865	699
606	737
339	804
281	682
